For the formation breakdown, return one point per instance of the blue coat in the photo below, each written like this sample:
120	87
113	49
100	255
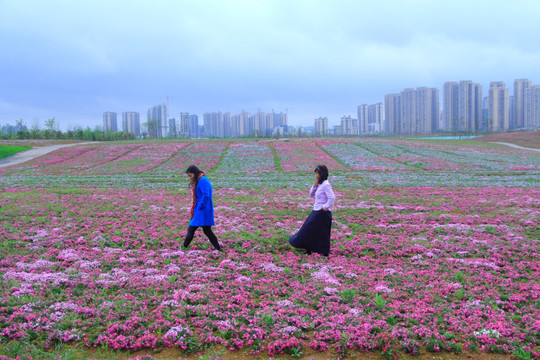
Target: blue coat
203	214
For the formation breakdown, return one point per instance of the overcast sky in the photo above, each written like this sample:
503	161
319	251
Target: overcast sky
74	60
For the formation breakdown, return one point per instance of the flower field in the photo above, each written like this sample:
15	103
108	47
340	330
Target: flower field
435	252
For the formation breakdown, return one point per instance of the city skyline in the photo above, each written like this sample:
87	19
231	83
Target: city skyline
74	60
463	108
523	93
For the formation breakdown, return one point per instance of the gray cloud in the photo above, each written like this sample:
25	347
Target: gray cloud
74	60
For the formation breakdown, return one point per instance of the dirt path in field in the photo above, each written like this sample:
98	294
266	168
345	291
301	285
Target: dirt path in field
515	146
33	153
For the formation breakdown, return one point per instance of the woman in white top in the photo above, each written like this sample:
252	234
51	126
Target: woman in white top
314	235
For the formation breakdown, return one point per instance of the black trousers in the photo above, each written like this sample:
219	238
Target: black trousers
207	231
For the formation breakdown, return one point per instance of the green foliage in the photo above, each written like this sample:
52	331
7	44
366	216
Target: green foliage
459	294
277	164
459	277
6	150
434	345
456	348
295	351
379	302
347	295
522	354
268	320
53	133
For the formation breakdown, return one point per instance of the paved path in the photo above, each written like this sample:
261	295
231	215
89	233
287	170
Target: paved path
33	153
515	146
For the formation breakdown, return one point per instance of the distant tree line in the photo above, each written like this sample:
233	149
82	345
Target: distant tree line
51	131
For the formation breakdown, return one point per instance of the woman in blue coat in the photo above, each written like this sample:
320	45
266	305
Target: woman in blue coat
202	208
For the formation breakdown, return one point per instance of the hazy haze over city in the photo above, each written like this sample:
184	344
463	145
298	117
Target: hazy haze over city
74	60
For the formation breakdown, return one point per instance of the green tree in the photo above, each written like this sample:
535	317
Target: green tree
152	127
88	134
50	124
35	130
50	128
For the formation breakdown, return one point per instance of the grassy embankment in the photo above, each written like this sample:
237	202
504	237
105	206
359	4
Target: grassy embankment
6	151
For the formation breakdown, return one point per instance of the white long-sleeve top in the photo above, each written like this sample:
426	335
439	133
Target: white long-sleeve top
324	196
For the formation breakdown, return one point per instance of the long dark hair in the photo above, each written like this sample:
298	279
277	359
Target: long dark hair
192	169
322	170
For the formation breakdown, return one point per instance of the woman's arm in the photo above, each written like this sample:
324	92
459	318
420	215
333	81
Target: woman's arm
330	196
313	190
203	196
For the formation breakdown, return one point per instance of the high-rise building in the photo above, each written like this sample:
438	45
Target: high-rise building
183	124
276	122
213	124
157	118
533	107
284	119
259	123
427	117
13	129
485	112
173	131
246	124
412	111
511	112
519	118
362	111
241	124
498	112
409	113
392	111
131	123
321	126
193	126
218	124
207	120
109	122
349	126
227	126
462	106
270	120
450	106
375	118
235	125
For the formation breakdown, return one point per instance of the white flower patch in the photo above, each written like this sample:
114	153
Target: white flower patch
271	267
383	289
284	303
290	330
85	265
177	333
494	334
68	255
325	276
170	303
355	312
38	264
330	290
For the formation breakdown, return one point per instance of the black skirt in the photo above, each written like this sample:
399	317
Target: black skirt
314	235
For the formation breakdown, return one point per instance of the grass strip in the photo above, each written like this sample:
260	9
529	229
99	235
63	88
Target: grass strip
8	150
